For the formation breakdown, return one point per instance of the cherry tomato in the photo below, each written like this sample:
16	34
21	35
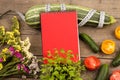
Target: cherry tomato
92	63
108	46
115	75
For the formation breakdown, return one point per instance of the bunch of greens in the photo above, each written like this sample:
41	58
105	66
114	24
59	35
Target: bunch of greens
61	68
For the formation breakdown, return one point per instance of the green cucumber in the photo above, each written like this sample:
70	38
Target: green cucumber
116	60
88	40
32	16
103	72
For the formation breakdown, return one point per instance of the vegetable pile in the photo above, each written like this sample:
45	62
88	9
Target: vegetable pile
107	47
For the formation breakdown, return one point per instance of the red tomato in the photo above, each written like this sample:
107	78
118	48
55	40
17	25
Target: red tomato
115	75
92	63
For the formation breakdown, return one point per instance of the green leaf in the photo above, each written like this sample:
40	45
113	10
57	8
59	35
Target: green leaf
78	78
69	51
56	74
62	77
62	51
65	68
69	61
58	68
44	70
51	78
71	73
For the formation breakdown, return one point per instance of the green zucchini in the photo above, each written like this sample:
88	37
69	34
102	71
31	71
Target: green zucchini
88	40
116	60
103	72
32	16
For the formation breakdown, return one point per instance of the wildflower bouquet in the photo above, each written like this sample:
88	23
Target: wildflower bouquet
16	58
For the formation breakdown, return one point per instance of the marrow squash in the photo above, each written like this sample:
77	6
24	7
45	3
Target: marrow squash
32	16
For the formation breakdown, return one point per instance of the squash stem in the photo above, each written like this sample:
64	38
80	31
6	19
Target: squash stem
113	20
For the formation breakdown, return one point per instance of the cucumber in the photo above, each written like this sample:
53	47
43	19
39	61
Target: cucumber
116	60
88	40
103	72
32	16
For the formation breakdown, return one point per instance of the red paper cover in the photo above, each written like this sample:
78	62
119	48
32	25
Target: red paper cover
60	31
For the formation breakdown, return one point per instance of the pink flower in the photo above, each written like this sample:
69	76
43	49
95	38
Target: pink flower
12	50
1	60
15	53
22	67
18	55
18	66
25	68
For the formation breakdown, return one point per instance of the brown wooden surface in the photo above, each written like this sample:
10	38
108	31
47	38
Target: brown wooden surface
111	7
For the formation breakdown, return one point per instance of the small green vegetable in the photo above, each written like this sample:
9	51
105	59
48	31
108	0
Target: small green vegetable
88	40
103	72
116	60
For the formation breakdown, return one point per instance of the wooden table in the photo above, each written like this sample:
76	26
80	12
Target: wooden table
111	7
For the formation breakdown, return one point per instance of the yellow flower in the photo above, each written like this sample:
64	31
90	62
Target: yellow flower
2	30
11	42
9	35
1	66
4	57
17	47
1	37
16	32
4	50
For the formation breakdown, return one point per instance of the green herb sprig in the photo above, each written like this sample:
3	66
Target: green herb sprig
60	68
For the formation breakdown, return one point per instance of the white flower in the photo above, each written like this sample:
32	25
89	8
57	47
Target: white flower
25	47
29	55
34	67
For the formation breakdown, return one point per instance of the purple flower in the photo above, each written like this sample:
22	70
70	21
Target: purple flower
18	55
22	67
15	53
12	50
18	66
25	68
1	60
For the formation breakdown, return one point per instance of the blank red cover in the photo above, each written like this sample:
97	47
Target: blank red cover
60	31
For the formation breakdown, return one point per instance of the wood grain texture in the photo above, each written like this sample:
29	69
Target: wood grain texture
109	6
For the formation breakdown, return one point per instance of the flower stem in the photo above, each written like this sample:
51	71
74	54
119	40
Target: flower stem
8	67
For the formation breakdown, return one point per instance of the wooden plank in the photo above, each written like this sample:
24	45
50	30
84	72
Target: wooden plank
28	3
20	79
112	6
36	47
109	6
6	5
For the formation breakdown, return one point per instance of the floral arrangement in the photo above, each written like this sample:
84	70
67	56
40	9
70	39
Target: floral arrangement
15	58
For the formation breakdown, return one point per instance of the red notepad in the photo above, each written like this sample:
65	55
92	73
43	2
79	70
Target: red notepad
60	31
